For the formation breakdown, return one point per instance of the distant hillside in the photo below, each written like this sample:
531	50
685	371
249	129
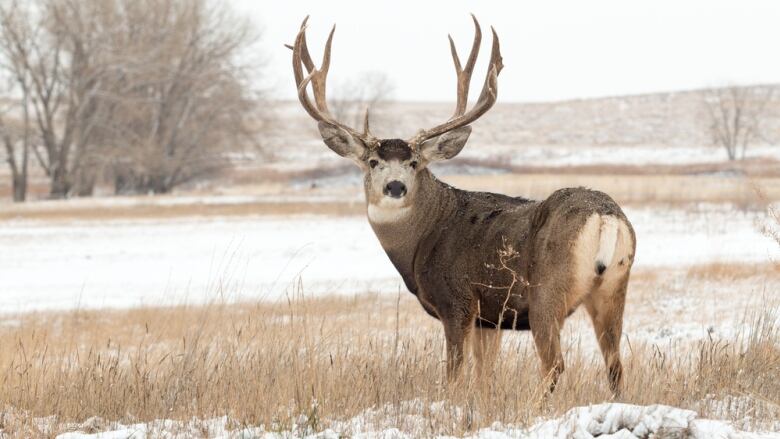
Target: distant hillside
664	119
673	119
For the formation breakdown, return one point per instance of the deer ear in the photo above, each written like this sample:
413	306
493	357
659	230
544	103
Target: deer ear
341	142
446	146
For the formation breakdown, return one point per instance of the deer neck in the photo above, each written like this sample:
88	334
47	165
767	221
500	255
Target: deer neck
401	229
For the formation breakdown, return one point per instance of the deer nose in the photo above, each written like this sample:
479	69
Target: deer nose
395	189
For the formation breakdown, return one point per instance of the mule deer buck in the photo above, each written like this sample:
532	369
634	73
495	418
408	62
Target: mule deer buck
576	247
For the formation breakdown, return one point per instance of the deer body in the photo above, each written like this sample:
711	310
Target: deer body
452	247
561	243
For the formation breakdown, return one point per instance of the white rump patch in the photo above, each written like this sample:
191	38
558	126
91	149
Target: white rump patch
387	214
608	234
604	240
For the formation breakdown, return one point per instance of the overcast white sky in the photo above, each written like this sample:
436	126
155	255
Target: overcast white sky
552	50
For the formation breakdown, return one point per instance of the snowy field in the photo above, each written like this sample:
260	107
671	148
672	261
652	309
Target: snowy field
119	263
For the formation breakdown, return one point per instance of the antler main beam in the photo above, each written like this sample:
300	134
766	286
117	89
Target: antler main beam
318	77
486	98
464	75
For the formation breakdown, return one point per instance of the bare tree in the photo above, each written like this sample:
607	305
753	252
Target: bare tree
368	90
15	117
15	129
735	117
54	47
184	100
153	92
15	134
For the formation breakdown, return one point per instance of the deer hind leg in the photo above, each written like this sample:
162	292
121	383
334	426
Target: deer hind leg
603	254
546	316
605	307
607	299
485	345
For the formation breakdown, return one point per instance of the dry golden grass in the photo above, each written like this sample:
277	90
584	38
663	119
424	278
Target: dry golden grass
632	189
725	271
334	358
629	190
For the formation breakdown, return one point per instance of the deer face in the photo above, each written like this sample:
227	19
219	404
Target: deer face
391	166
390	174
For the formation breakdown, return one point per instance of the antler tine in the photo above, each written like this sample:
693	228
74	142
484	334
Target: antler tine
490	89
318	79
366	131
305	57
486	98
464	75
300	53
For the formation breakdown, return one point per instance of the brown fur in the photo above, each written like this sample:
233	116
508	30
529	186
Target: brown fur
447	252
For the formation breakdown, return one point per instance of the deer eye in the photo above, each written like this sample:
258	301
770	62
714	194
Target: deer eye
373	163
413	164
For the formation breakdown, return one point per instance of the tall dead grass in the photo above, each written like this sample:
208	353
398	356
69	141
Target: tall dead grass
334	358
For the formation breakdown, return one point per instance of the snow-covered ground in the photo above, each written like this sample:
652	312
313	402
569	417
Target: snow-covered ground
122	263
609	420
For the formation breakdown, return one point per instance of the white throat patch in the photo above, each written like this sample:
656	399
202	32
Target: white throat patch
387	212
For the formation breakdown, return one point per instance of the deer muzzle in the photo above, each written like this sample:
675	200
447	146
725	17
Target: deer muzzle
394	189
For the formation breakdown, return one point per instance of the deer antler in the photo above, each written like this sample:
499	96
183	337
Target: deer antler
486	98
318	78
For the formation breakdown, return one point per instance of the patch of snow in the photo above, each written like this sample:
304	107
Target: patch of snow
615	421
709	233
609	420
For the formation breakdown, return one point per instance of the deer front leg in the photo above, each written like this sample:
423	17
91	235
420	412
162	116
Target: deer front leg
456	332
458	313
455	305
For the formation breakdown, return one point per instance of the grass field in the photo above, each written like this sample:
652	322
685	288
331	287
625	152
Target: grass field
306	364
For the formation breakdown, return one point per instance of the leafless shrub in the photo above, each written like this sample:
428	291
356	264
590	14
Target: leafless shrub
735	115
507	261
771	227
